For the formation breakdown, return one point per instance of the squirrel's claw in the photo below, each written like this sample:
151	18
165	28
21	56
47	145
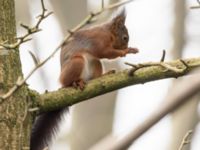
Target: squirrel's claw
80	84
110	72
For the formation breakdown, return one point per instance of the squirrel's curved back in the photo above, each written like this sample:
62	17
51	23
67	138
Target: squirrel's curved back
78	41
88	38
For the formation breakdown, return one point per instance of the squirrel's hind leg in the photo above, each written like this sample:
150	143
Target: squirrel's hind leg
71	71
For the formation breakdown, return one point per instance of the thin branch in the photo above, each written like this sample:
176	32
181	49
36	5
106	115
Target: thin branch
120	3
35	59
33	109
102	4
162	64
107	83
196	7
163	56
86	21
185	140
92	15
12	90
29	30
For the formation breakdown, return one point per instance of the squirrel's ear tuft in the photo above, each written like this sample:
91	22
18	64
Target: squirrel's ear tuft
119	16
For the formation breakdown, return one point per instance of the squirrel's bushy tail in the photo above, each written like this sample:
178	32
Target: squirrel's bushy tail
44	128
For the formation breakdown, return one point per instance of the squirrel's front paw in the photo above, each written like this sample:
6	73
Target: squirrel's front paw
133	50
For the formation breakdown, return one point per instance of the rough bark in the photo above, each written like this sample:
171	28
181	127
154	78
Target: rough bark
12	111
70	96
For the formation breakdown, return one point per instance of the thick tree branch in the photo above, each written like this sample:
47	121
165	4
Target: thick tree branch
69	96
187	89
196	7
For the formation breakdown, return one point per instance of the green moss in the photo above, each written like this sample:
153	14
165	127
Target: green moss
69	96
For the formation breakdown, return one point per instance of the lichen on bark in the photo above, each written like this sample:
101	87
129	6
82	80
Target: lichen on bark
15	123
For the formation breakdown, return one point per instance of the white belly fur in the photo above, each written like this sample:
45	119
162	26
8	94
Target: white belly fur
87	72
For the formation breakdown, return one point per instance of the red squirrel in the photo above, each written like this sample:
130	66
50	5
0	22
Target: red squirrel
80	58
80	62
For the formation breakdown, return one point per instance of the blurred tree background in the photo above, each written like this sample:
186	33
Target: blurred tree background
153	25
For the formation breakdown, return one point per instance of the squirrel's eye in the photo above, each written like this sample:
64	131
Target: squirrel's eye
125	38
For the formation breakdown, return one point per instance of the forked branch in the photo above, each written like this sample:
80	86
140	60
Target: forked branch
196	7
29	30
185	140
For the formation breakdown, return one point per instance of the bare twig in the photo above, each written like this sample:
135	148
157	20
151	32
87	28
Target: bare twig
89	18
70	32
102	4
30	30
163	56
35	59
33	109
185	140
86	21
196	7
136	67
162	64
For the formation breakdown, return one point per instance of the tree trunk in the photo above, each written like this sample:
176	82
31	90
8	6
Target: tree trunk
14	124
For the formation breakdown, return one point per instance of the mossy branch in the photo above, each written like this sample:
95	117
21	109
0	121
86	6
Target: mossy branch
69	96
